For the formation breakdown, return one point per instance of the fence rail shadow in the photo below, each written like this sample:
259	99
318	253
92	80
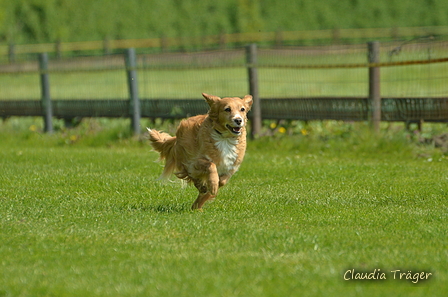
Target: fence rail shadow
305	109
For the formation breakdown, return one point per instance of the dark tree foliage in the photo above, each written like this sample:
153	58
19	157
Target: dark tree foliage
36	21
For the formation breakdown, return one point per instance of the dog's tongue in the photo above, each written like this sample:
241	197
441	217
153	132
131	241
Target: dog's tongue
236	129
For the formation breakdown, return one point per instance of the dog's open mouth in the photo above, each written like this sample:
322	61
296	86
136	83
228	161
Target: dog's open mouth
234	130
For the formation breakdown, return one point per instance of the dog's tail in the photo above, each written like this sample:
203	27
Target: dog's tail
164	144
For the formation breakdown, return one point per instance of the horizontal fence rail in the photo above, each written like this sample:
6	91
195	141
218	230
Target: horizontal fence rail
306	109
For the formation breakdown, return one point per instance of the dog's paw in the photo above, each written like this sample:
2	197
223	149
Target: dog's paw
213	189
195	207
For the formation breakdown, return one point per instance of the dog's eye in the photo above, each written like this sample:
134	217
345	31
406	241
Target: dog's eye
227	109
243	109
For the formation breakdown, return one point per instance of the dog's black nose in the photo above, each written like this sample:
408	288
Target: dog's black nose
238	121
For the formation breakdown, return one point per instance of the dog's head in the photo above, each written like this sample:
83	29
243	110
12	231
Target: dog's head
229	114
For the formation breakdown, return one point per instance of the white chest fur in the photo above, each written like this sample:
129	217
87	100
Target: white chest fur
227	148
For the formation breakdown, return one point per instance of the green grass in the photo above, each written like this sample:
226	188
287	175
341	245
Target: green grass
82	214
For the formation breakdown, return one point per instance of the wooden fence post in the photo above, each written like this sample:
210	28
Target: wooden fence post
106	46
374	85
336	34
58	48
45	93
12	53
163	44
251	58
134	101
222	40
278	38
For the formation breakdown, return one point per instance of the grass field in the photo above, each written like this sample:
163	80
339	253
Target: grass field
82	214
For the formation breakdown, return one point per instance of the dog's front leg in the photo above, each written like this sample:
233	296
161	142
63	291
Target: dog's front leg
200	201
207	182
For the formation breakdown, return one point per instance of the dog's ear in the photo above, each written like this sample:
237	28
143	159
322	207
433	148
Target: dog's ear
248	101
210	98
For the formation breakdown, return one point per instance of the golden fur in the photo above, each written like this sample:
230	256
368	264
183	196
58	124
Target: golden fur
207	149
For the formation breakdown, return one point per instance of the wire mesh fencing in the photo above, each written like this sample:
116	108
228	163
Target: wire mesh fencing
409	70
288	72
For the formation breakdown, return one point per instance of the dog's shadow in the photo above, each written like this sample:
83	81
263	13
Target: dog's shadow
160	208
171	208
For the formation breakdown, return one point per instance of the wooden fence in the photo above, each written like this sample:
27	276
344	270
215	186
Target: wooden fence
277	38
372	108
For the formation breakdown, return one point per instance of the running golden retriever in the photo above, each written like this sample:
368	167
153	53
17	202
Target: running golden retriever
207	149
